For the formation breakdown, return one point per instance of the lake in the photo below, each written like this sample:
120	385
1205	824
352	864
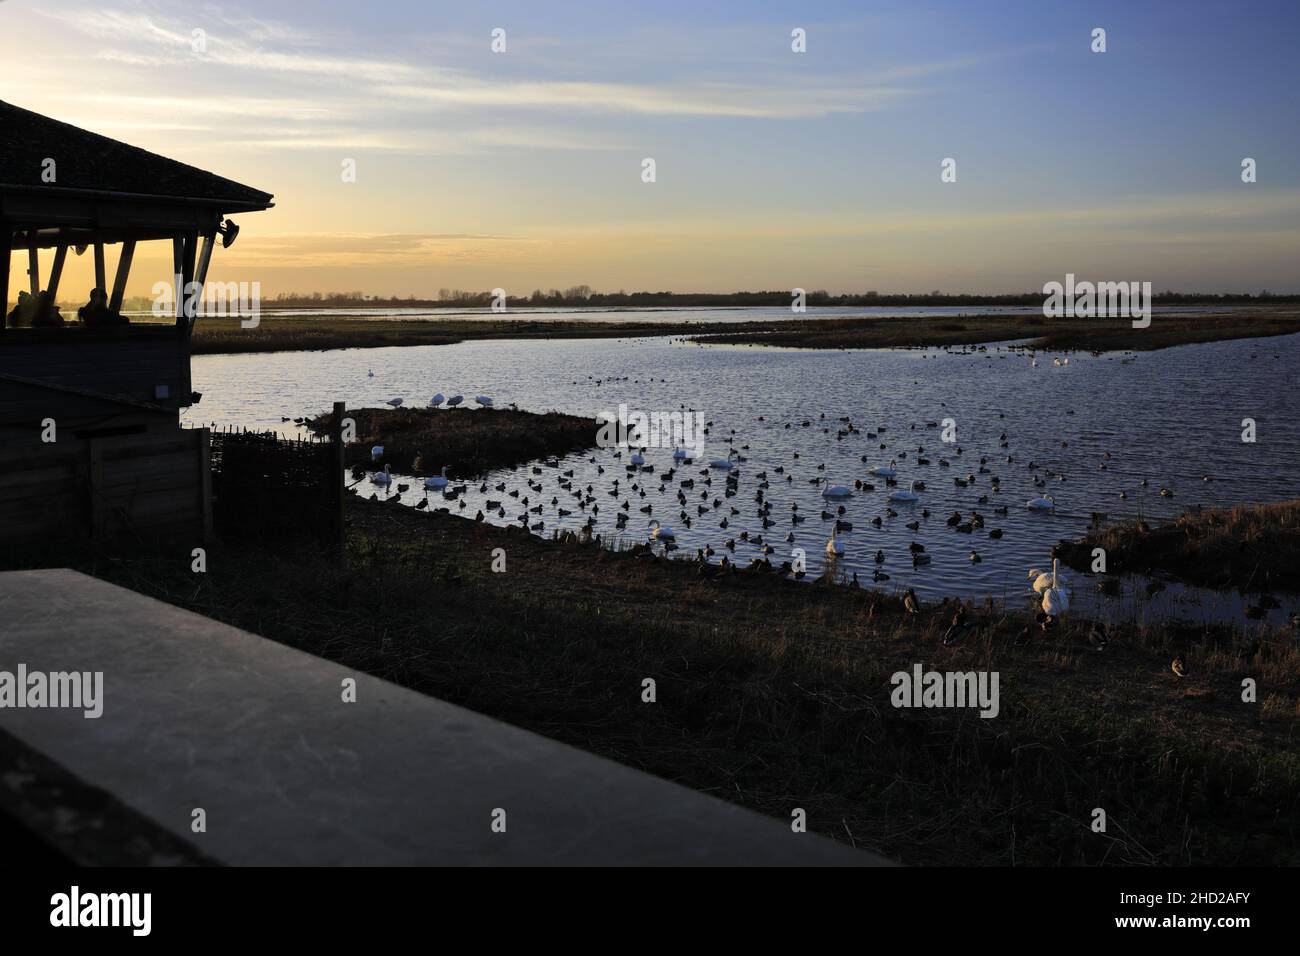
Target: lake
1172	417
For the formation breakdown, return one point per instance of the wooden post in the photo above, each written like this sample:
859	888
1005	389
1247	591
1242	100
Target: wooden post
123	271
177	280
205	259
56	271
6	250
336	481
205	464
33	264
191	247
101	281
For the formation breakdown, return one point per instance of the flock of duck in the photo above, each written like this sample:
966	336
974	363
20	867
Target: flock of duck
730	511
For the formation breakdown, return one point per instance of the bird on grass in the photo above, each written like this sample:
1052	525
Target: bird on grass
910	603
958	628
1178	666
1097	637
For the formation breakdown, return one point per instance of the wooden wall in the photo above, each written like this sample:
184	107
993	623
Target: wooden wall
129	489
129	362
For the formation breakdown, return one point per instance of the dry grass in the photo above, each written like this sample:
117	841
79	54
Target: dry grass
1044	334
1255	548
314	332
468	441
775	694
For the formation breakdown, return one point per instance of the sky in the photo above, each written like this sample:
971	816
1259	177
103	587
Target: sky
523	169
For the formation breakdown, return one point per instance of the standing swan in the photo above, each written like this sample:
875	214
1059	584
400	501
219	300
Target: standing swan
1056	599
835	547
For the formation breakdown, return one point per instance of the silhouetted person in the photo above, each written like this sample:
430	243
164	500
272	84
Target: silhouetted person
21	316
96	314
47	313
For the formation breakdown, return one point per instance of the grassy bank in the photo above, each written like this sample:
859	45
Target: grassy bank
467	441
775	694
1042	333
294	333
316	332
1254	548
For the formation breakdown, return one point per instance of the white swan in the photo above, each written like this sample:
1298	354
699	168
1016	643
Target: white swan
908	495
1056	599
882	471
661	533
376	452
837	491
681	454
395	402
437	400
725	464
382	477
1041	504
437	483
1040	581
455	400
483	400
834	546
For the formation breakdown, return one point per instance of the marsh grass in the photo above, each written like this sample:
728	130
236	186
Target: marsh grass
775	694
1254	548
1042	334
317	332
468	441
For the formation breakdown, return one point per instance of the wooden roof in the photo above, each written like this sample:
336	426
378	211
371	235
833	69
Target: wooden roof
91	165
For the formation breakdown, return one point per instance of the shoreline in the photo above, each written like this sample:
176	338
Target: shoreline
318	333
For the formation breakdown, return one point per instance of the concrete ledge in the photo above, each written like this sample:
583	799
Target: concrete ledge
200	714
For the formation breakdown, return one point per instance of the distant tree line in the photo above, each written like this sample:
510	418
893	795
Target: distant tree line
582	295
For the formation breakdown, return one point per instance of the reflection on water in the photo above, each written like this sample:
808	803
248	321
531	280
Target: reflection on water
1172	418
